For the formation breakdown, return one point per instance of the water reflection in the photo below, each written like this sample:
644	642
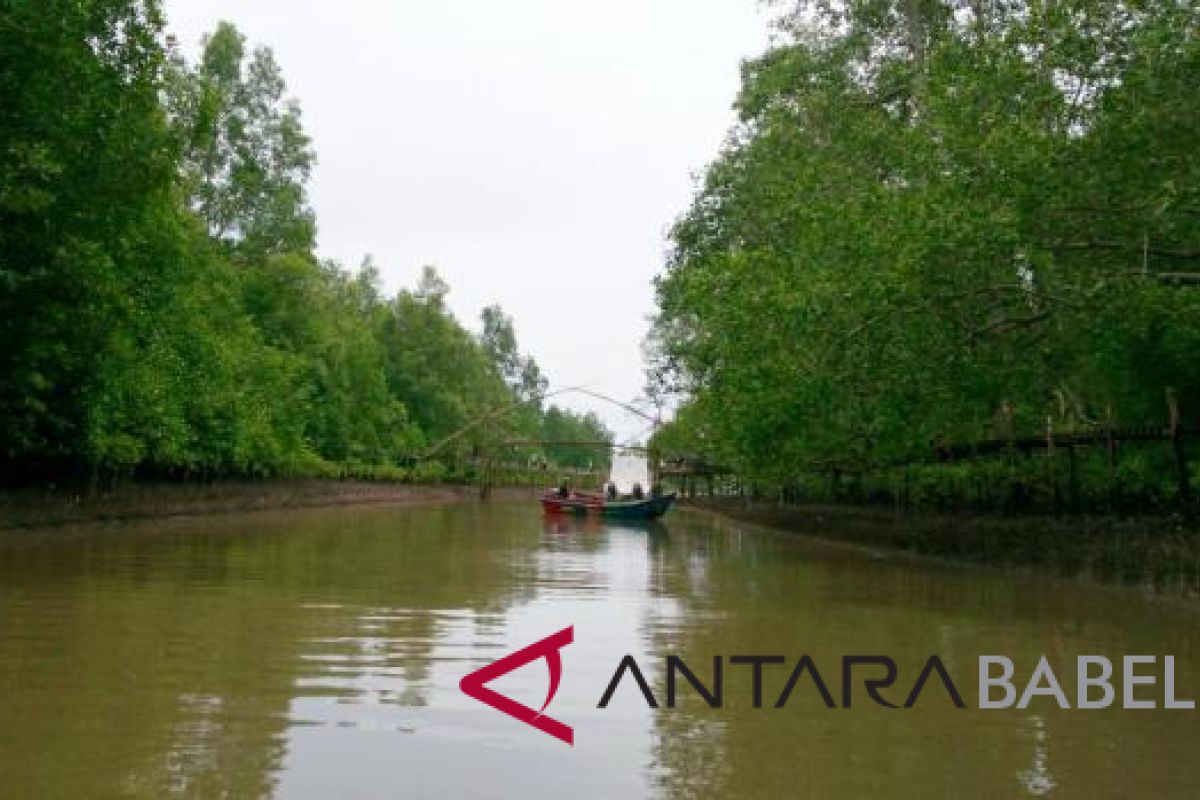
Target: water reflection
567	524
1037	780
318	654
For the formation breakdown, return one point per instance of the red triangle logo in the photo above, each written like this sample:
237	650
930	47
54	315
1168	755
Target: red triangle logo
548	648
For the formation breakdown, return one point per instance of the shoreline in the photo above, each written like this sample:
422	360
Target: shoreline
1161	553
42	508
1157	553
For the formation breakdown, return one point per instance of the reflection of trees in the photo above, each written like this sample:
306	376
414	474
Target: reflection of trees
167	659
174	661
765	594
144	684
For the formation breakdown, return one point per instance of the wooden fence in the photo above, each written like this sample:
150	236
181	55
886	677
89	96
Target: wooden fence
694	476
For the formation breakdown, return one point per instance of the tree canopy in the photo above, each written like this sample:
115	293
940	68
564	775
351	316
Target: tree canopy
935	220
162	308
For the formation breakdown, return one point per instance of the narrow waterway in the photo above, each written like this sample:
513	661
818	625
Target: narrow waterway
318	654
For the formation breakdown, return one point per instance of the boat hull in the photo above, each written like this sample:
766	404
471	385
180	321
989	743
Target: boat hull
594	505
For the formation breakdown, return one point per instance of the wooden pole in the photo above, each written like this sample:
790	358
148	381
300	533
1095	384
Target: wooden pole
1110	444
1181	467
1050	471
485	470
1073	486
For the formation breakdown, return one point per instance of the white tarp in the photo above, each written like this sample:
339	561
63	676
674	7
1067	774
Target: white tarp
628	469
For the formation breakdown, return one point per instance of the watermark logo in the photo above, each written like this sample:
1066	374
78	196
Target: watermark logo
474	685
1098	682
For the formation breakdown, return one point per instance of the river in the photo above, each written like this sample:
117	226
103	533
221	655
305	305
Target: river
318	654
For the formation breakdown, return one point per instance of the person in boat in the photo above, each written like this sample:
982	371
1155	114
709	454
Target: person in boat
564	489
638	493
610	491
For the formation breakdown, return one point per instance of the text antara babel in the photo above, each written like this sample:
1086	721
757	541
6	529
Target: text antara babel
1133	682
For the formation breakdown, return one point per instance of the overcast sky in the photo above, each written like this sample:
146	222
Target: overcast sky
534	151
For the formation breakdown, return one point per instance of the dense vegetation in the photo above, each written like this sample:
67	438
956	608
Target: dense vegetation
162	310
941	222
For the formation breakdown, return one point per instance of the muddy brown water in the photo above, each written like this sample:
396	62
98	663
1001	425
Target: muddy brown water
318	654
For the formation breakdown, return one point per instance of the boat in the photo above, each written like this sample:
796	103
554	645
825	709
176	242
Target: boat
587	503
624	499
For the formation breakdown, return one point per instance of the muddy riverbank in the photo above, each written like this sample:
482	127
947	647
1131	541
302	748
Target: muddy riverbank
28	508
1159	552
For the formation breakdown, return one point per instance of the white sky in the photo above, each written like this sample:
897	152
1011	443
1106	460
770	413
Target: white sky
534	151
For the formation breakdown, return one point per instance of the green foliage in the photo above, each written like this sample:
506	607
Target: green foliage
161	307
246	157
85	176
930	213
521	373
561	425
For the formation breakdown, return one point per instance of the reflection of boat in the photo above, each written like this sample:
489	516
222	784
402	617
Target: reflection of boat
569	523
585	503
562	524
